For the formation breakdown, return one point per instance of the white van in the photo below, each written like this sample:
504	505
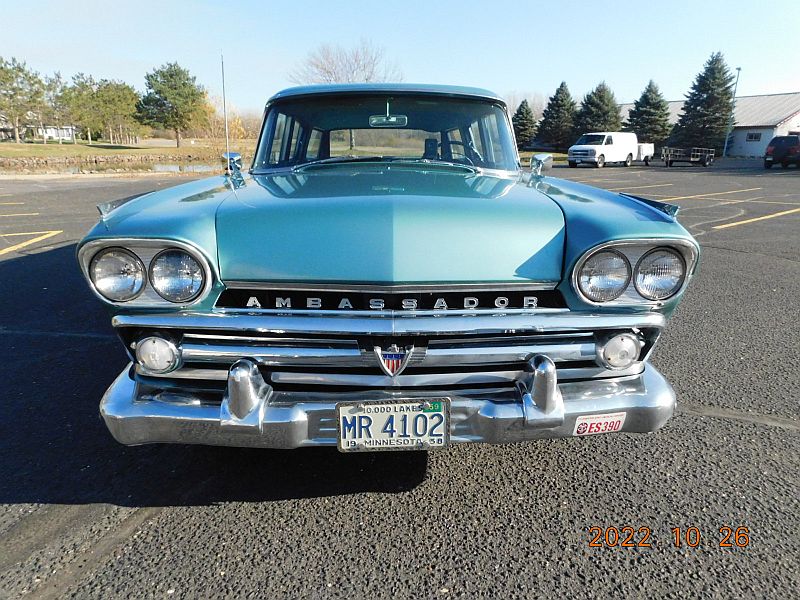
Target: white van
601	148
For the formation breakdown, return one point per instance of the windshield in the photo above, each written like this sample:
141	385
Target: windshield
381	127
590	140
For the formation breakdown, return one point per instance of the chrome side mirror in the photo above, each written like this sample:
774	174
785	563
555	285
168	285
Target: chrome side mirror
541	162
233	162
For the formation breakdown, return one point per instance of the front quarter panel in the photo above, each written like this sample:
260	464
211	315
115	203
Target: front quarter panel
595	216
185	213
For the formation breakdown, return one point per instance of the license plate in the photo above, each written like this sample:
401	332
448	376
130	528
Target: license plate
399	425
577	160
594	424
768	159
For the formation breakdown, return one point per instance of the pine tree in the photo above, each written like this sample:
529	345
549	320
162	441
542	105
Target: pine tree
708	107
173	99
599	111
524	124
649	117
558	119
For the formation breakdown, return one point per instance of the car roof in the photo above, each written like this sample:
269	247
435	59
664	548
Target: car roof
382	88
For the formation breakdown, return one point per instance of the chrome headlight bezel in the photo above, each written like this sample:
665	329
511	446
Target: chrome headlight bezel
147	250
135	260
676	289
634	250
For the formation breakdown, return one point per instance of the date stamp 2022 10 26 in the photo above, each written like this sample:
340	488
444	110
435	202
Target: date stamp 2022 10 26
642	537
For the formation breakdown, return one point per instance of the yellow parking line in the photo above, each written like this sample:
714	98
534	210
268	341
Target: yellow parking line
639	187
11	203
20	215
711	194
25	233
40	236
772	216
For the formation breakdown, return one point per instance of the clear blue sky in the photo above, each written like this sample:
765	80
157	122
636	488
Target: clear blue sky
506	46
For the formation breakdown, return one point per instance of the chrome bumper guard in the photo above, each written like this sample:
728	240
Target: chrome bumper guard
253	414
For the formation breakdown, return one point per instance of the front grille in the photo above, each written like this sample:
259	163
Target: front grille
343	362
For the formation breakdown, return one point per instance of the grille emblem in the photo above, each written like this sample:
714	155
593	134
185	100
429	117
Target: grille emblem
394	359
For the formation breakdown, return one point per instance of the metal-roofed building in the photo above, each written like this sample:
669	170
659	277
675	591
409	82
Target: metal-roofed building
757	119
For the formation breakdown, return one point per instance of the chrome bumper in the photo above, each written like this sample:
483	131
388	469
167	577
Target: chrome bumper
252	413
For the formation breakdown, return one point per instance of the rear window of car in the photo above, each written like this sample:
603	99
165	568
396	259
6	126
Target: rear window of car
785	140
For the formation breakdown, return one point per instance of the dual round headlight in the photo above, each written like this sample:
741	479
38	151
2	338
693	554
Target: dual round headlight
119	275
176	276
659	274
605	275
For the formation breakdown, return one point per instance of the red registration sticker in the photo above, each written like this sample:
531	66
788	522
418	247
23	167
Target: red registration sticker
593	424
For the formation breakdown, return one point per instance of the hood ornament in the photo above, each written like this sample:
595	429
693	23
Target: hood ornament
539	163
393	360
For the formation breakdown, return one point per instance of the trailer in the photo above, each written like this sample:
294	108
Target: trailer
644	153
701	156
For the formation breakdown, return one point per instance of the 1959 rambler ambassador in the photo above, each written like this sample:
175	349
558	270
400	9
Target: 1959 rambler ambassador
385	276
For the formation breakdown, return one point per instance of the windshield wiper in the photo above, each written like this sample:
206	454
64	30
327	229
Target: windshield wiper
336	159
436	162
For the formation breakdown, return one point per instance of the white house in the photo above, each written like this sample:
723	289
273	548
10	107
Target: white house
65	133
757	119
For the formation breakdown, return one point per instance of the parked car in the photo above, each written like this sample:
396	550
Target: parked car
604	147
783	150
385	276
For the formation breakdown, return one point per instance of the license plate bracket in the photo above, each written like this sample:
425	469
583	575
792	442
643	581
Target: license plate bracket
398	424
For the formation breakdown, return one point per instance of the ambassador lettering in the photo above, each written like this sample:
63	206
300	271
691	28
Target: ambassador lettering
399	302
440	303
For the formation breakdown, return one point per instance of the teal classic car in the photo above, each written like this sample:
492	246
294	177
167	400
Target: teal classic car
385	275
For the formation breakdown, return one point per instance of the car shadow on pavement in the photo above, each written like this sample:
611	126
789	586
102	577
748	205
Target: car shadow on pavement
59	355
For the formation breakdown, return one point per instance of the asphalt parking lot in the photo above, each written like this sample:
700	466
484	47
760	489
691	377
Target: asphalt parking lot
81	516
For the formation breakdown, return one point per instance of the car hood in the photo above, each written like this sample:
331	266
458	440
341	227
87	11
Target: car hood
388	224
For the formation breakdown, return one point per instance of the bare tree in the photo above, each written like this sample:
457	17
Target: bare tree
251	122
364	63
536	101
328	63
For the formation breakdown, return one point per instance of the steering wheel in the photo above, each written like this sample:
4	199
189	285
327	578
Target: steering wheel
462	154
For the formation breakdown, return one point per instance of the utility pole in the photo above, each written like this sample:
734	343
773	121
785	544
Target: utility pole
730	122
